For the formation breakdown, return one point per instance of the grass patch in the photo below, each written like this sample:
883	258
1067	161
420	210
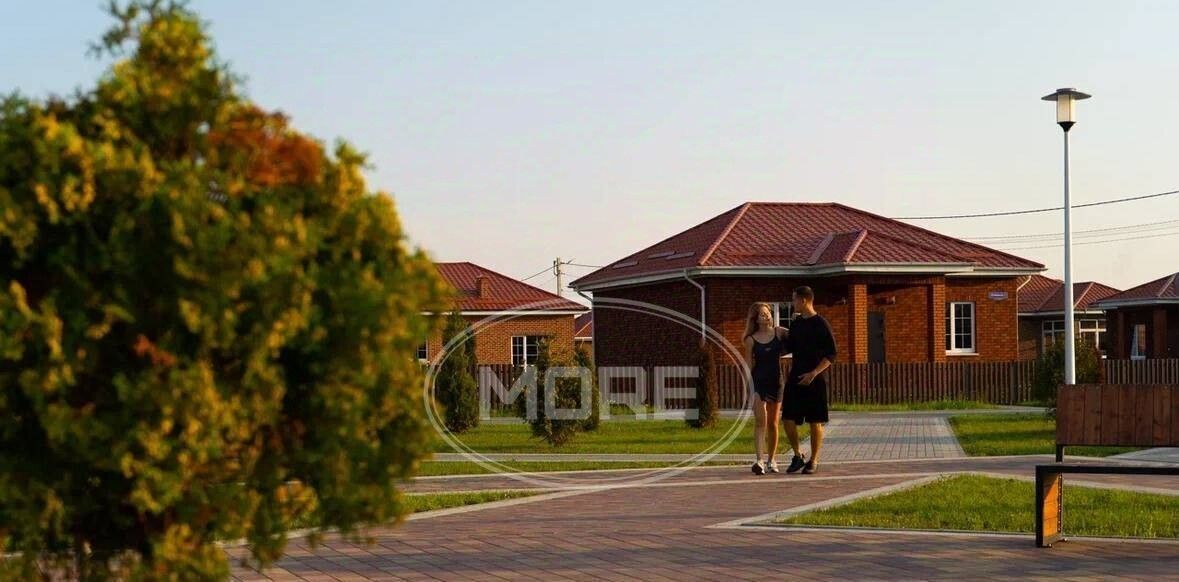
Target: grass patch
1016	434
615	436
419	502
436	468
976	503
907	406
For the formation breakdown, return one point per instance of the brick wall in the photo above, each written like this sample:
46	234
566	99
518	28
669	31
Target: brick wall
996	322
914	309
493	344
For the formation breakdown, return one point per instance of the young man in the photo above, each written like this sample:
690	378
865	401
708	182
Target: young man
805	400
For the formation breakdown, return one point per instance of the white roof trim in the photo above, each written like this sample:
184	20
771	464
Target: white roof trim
570	312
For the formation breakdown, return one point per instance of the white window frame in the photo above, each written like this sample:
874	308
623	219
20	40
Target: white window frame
1050	330
951	317
1138	349
424	348
523	340
1092	327
776	309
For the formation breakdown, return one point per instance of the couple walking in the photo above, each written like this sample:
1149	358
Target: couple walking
803	396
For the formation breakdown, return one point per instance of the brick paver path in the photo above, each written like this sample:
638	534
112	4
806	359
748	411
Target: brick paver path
665	531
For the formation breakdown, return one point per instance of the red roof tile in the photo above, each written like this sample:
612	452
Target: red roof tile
1164	289
786	234
1049	295
501	293
583	325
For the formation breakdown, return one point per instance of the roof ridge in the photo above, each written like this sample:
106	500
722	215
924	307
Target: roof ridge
822	248
1080	298
724	233
855	246
934	233
917	244
1167	285
514	280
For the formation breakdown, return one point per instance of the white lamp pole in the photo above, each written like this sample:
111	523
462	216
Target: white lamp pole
1066	116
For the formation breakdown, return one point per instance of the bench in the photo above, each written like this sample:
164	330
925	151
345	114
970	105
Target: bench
1103	415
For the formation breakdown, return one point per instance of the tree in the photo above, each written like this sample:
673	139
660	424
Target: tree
1049	374
707	390
207	322
456	389
582	359
566	392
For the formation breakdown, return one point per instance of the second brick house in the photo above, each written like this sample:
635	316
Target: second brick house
892	292
1041	313
511	316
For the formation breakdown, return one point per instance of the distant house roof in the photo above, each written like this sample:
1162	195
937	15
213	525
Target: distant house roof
804	238
482	290
1164	290
1044	295
583	326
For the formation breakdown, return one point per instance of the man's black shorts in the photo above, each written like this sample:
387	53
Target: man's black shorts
805	404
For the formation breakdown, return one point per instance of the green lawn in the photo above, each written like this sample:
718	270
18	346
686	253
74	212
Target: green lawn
907	406
430	501
615	436
975	503
985	435
434	468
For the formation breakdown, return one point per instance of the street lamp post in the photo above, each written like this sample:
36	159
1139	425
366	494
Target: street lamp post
1066	116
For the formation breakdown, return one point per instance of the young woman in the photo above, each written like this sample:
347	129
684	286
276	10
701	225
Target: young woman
764	345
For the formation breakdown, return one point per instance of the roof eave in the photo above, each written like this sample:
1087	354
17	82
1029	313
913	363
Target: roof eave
952	269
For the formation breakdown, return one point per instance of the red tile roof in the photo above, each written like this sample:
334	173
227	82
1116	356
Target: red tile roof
583	325
802	235
1164	290
501	293
1045	295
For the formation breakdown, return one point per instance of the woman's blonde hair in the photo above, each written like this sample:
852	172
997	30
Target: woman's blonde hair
751	317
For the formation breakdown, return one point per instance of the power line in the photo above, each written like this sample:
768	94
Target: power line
548	269
1144	227
586	266
1037	210
1094	242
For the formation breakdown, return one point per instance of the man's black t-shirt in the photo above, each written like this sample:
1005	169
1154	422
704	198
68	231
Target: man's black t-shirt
810	341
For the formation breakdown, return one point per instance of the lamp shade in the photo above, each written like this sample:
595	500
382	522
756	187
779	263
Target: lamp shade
1066	99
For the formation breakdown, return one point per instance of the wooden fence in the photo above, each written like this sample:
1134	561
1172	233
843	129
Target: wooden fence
886	383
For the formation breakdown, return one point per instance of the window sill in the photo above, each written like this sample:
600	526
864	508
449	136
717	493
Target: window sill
962	354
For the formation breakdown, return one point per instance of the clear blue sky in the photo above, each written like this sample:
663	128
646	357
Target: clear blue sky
513	132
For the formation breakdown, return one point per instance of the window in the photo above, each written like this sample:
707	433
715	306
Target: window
423	353
1138	342
524	349
1053	331
1091	331
783	313
960	328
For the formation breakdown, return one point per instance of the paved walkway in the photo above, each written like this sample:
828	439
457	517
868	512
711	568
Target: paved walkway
674	530
1168	455
702	523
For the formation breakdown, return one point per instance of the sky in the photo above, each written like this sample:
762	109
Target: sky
510	133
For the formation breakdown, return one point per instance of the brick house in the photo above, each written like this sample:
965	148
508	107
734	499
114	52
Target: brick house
1041	313
892	292
1144	321
510	316
583	332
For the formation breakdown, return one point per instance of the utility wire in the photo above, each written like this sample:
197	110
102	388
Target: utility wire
1094	242
1096	232
1038	210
